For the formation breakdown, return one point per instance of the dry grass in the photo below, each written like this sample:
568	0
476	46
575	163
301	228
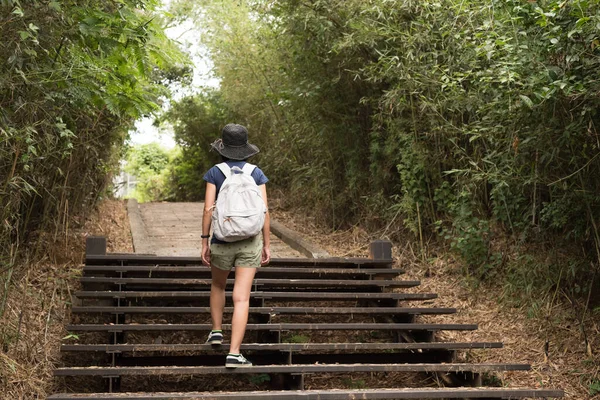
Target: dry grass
38	304
38	308
569	365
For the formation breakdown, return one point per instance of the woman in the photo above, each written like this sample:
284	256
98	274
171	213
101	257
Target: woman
245	255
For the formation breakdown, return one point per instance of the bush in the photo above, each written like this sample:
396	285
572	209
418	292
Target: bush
464	116
153	167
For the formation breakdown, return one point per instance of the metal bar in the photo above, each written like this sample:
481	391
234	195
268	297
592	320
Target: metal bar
291	262
268	327
281	358
369	394
265	310
284	346
114	383
268	270
257	282
308	368
310	296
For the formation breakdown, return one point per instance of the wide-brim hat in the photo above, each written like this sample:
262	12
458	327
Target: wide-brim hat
234	144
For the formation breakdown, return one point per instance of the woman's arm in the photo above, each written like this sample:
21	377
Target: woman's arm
266	254
209	201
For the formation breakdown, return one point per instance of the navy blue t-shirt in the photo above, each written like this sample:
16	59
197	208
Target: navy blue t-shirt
216	177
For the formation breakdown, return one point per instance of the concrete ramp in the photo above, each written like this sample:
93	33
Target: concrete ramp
174	229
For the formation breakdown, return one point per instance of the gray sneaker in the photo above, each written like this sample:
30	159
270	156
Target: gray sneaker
236	360
215	337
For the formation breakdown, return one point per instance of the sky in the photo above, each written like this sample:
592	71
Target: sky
185	33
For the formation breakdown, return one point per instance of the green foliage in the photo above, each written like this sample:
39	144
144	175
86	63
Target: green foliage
73	78
469	236
8	338
153	168
259	379
594	387
196	121
146	159
492	380
467	118
71	336
533	277
295	338
354	383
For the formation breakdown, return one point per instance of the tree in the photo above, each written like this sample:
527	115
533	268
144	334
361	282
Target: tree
466	119
74	77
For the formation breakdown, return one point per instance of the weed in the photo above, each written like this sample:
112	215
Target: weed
71	335
354	384
259	379
296	339
7	337
491	380
594	387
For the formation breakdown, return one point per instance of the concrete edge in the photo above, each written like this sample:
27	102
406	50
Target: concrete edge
137	227
295	241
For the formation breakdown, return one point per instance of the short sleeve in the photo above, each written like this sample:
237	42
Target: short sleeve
259	176
210	175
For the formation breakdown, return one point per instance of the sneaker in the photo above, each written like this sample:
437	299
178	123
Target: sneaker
215	337
236	360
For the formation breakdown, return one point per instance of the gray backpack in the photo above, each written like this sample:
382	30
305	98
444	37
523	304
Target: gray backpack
240	210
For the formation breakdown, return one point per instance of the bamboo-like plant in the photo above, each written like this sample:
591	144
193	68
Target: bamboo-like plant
468	118
73	78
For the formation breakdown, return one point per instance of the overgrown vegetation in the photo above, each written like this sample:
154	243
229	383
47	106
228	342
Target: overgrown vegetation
73	77
476	121
196	122
473	121
176	174
152	165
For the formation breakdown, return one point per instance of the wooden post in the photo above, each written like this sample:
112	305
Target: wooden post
95	246
381	250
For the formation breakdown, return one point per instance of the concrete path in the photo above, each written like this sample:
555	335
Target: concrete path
174	229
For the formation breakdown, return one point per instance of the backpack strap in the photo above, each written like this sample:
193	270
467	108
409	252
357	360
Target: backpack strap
248	168
224	169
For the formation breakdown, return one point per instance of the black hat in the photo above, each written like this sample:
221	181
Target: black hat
234	143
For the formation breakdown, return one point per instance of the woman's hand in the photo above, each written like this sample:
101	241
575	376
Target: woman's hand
266	255
205	254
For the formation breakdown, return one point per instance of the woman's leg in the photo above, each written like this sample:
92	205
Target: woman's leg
241	303
217	296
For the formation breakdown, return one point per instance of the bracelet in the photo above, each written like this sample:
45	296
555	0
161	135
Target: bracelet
204	236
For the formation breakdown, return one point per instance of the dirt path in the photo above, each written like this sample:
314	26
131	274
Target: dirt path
174	229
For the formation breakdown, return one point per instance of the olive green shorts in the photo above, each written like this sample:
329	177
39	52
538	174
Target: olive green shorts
245	253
